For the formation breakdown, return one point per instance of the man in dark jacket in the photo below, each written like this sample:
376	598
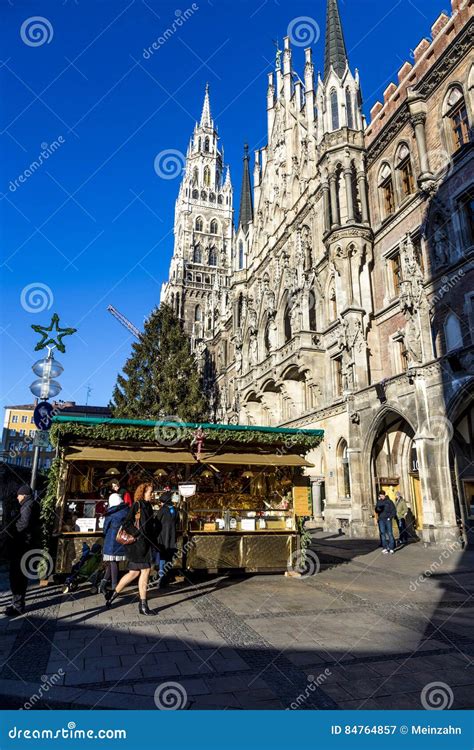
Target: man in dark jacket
19	534
166	521
386	512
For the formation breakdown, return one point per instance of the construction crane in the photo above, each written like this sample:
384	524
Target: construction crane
124	321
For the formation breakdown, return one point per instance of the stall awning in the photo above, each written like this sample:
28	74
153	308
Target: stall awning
139	456
256	459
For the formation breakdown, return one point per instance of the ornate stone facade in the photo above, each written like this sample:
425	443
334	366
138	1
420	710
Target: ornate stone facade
344	299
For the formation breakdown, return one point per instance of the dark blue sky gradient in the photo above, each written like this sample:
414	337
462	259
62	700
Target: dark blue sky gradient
94	222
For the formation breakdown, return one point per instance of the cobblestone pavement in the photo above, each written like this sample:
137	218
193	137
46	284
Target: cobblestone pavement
369	631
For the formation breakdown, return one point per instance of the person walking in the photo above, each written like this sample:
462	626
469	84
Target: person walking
166	523
402	510
139	523
113	551
386	512
19	538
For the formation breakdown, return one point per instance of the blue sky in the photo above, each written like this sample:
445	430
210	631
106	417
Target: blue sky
92	225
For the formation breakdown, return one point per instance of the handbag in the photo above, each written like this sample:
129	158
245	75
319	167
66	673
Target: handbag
123	537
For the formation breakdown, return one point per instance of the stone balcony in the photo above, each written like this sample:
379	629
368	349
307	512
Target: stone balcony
300	343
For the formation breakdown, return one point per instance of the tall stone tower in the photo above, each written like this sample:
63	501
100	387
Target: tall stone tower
347	233
198	282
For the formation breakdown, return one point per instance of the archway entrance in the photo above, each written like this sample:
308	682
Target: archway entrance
394	465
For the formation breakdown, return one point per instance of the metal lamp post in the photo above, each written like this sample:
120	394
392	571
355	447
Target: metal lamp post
45	386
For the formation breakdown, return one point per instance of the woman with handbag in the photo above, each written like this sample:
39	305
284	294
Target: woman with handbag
137	534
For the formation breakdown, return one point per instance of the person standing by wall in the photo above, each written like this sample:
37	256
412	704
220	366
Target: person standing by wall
402	510
139	523
19	532
386	512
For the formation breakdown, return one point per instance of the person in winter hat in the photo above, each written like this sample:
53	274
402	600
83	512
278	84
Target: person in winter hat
20	534
113	551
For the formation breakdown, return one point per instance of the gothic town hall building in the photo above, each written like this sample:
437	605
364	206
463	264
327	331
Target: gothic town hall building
343	298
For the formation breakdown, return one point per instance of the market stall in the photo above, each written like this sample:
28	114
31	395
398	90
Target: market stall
239	489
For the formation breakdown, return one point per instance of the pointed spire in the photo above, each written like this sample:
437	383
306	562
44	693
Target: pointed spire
336	54
206	121
246	205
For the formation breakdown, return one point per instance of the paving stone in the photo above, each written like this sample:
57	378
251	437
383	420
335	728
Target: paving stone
84	677
122	673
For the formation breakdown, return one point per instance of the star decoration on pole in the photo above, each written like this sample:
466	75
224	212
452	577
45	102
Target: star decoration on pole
50	340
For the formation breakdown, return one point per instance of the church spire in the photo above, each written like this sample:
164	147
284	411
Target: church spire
336	54
206	121
246	206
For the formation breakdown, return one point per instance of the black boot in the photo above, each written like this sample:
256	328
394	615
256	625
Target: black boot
143	607
110	597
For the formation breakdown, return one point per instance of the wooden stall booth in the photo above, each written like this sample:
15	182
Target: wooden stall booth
239	489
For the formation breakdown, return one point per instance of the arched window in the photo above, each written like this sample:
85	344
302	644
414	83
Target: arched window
198	224
457	118
405	171
452	332
213	256
349	109
195	176
334	109
195	194
241	254
203	195
220	199
198	313
207	176
387	191
197	254
343	470
240	307
213	227
198	278
206	144
212	197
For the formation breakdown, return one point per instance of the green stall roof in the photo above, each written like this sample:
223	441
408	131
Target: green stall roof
148	429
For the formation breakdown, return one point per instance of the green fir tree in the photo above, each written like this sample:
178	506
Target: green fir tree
160	379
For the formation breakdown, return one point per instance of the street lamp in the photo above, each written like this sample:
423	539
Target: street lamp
45	386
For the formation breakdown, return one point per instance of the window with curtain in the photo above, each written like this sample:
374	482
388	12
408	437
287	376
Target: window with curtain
405	170
458	119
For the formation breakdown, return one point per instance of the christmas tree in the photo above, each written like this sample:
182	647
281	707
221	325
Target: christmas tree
161	379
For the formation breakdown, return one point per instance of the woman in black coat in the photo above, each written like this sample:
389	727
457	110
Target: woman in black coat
140	524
